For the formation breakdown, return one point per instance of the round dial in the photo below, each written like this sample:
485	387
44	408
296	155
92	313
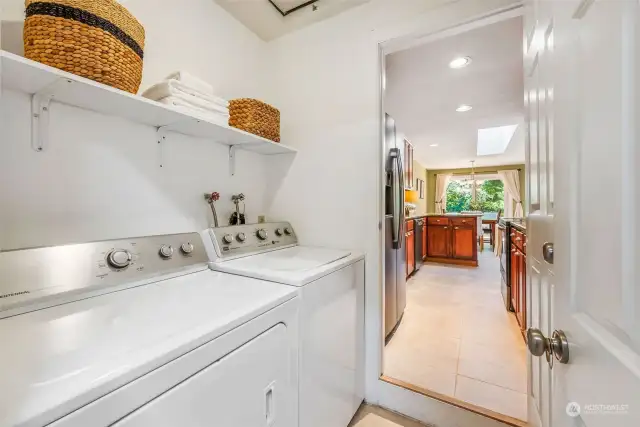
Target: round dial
241	237
278	231
228	238
186	248
166	251
119	258
288	231
262	234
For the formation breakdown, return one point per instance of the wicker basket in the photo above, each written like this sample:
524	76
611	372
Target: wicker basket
255	117
96	39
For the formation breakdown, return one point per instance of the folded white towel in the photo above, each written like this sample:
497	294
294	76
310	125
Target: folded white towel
192	101
192	81
186	107
176	88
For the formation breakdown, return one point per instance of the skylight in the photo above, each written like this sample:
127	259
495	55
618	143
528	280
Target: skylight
493	141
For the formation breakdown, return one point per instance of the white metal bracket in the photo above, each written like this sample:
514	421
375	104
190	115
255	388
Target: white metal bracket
232	159
161	136
40	103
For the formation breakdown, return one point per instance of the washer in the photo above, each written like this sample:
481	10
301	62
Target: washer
330	284
140	332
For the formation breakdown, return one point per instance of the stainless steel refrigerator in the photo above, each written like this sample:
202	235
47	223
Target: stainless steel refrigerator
395	285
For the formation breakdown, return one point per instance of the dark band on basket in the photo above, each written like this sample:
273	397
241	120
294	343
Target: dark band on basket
73	13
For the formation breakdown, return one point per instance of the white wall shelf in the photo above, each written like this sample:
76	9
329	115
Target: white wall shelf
46	84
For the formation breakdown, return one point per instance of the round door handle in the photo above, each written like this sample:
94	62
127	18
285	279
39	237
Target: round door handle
558	345
537	343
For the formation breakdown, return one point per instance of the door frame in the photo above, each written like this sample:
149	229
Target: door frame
413	401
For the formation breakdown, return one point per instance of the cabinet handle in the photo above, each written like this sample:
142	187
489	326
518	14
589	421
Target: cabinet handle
446	228
455	228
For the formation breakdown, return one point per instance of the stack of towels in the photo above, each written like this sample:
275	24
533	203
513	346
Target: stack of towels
191	95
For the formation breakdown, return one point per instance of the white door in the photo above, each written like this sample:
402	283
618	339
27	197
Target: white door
583	105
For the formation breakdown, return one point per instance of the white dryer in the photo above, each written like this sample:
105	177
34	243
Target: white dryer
330	283
140	332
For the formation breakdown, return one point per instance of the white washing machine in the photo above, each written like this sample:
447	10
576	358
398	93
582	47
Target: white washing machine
330	283
140	332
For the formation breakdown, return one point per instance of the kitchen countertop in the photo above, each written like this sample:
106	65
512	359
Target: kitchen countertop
457	215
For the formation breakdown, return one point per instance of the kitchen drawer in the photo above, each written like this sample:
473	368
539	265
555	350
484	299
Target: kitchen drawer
438	220
410	225
463	222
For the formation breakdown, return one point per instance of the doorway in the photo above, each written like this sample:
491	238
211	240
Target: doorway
450	330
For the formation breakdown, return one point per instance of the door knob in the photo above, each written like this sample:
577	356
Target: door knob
558	345
547	252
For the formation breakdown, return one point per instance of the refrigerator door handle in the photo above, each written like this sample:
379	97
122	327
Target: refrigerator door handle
398	190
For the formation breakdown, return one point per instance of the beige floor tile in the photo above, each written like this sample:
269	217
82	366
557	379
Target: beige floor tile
513	377
456	328
441	378
373	416
498	399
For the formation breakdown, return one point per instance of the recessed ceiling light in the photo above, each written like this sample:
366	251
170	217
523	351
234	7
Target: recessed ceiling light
433	145
462	108
460	62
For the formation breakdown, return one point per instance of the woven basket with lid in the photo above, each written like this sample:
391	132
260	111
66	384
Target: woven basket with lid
255	117
96	39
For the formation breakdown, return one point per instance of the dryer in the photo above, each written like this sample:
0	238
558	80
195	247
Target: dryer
330	285
140	332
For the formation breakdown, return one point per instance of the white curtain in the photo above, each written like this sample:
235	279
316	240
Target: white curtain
511	180
508	205
442	181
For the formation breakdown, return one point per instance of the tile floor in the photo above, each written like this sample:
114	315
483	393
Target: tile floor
457	339
374	416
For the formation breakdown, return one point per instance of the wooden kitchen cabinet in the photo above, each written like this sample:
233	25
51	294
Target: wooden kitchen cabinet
452	241
408	165
519	277
411	249
460	247
437	241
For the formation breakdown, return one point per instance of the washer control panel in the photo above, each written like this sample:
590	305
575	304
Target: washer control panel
41	274
240	240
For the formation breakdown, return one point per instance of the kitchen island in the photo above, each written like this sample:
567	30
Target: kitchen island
452	238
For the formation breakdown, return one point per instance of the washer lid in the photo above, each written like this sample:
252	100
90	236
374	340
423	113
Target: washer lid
61	358
295	266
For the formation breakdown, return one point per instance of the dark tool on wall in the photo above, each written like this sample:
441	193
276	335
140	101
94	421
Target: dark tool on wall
237	217
211	198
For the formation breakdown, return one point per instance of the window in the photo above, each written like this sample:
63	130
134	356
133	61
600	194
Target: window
489	195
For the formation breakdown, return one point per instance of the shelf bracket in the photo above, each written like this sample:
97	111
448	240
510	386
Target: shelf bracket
40	103
232	159
161	137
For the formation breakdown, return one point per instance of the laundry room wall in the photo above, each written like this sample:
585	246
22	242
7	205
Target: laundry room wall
326	83
103	177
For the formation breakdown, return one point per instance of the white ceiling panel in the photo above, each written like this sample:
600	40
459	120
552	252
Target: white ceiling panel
263	19
423	93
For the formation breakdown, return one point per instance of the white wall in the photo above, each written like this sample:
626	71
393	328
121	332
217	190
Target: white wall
326	81
100	177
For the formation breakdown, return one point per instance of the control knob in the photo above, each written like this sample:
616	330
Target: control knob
228	238
119	258
241	237
262	234
288	231
166	251
186	248
278	231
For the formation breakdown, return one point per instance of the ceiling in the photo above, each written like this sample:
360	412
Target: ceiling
422	94
263	19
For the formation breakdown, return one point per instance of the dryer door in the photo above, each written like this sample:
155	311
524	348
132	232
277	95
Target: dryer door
245	388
